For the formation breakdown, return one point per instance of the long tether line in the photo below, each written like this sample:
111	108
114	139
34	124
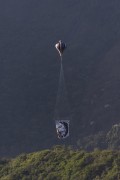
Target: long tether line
62	109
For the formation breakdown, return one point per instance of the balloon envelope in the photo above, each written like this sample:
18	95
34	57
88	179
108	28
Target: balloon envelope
60	46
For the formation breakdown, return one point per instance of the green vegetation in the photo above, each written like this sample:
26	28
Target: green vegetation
62	163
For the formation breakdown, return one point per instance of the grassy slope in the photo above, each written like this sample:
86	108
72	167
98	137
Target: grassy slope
62	163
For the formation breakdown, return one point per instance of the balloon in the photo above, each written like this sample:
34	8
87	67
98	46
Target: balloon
60	46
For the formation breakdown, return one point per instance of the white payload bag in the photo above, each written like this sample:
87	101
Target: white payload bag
62	128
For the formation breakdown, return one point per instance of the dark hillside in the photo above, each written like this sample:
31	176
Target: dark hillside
29	69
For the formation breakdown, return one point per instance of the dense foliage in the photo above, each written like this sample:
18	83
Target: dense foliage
62	163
